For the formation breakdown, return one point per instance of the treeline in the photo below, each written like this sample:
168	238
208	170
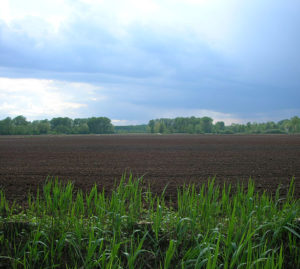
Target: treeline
130	129
205	125
20	126
102	125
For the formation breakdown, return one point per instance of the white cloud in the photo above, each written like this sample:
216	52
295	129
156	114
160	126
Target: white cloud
5	13
137	10
209	19
191	53
53	13
92	2
126	122
36	98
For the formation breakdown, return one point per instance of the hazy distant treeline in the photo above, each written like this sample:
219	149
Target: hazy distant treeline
102	125
129	129
195	125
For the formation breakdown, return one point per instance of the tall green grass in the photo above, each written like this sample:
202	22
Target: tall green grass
209	227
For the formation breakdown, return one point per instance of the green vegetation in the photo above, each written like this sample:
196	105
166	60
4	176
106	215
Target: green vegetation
102	125
203	125
207	227
142	128
20	126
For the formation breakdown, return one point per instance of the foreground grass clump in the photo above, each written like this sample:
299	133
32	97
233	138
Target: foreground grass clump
210	227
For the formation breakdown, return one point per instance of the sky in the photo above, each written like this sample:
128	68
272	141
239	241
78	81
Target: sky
136	60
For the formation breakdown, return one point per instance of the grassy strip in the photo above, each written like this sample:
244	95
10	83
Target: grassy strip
211	227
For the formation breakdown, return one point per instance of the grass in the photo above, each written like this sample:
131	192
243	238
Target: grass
210	227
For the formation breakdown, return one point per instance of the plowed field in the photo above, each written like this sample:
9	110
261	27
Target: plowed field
25	162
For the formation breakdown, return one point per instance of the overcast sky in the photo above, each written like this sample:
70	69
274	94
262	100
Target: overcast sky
135	60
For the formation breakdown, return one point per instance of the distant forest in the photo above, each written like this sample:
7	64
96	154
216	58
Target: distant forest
102	125
205	125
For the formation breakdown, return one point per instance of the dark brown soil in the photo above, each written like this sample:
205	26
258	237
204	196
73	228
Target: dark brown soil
25	162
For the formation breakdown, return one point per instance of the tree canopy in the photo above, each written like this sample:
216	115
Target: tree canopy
102	125
205	125
60	125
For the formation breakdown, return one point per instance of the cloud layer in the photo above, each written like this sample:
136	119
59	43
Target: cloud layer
146	59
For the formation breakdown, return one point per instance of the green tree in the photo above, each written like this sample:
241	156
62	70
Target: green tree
6	126
83	129
295	124
162	128
100	125
207	125
198	128
220	126
21	126
190	128
20	120
283	125
80	126
151	125
180	125
61	125
156	126
41	127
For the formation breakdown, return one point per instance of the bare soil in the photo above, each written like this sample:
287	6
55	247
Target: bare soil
25	162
